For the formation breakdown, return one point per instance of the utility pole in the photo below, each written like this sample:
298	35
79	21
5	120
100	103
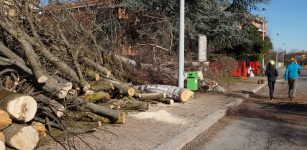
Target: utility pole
181	47
263	20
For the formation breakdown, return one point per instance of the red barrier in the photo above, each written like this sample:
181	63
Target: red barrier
241	70
256	65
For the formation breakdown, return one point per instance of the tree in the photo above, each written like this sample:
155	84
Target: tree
157	22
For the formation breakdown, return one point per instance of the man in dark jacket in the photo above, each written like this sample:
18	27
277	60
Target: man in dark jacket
271	73
291	75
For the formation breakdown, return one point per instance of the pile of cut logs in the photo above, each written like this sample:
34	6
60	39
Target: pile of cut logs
21	126
16	110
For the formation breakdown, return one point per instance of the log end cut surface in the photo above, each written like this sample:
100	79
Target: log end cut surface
2	146
42	79
5	119
185	95
22	108
26	139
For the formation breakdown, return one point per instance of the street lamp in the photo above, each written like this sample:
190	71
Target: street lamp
283	54
277	52
181	46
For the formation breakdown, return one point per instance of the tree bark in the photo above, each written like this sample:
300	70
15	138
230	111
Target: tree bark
5	119
135	105
152	96
32	57
96	96
104	71
20	107
178	94
21	137
113	115
122	87
101	86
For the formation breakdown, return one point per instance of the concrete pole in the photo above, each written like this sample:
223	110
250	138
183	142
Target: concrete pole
263	66
181	47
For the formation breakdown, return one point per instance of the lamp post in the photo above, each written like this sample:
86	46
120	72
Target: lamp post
283	54
181	47
277	52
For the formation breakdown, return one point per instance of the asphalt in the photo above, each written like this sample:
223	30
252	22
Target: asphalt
164	127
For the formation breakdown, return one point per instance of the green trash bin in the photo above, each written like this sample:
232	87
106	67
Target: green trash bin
192	80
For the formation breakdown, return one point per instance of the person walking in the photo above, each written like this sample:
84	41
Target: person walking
271	72
291	75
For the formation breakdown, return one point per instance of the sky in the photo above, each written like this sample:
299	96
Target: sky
288	18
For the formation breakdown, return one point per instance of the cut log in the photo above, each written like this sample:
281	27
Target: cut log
104	71
52	105
40	128
32	57
101	86
60	90
122	87
98	118
135	105
178	94
2	141
96	96
21	137
5	119
20	107
2	137
166	101
113	115
152	96
2	145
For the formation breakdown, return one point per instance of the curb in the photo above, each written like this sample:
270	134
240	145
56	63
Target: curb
179	141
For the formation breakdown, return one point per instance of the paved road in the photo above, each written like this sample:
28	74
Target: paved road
259	124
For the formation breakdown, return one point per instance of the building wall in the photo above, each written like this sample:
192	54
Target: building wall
261	24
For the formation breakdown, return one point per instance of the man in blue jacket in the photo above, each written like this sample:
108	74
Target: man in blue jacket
291	74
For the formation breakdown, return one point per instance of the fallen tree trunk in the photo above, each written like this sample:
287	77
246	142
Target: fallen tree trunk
104	71
166	101
152	96
21	137
122	87
113	115
2	141
5	119
20	107
101	86
96	96
178	94
59	90
32	57
135	105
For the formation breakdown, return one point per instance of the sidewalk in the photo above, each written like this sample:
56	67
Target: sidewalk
163	127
